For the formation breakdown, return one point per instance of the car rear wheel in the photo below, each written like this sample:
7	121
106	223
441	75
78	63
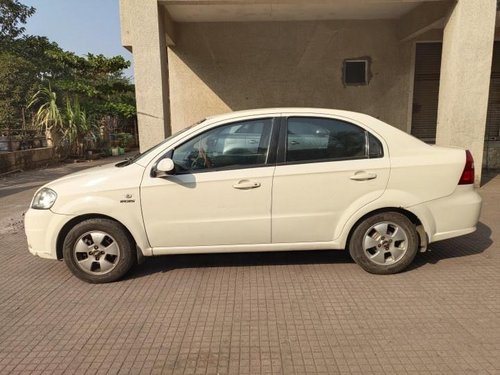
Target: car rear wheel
384	243
98	251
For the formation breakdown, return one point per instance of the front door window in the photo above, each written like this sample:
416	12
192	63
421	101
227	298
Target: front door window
238	145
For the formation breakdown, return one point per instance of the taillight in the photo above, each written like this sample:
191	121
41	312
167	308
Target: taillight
468	173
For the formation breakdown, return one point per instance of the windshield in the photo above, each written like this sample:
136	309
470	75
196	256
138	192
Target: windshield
139	156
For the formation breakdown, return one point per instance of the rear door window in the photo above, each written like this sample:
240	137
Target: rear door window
312	139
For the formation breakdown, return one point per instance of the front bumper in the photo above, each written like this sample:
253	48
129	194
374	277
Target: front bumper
42	228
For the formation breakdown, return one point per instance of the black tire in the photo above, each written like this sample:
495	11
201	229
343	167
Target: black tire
104	239
384	257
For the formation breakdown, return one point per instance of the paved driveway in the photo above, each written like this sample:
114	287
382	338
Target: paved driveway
273	313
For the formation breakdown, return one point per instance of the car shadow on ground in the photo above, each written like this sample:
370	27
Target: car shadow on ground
167	263
488	175
474	243
471	244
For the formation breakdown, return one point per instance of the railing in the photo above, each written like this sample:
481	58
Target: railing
21	139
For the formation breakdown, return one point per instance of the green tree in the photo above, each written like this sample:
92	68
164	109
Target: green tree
16	85
66	95
17	74
13	15
37	50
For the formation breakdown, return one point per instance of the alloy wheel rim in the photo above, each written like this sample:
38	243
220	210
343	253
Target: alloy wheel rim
96	252
385	243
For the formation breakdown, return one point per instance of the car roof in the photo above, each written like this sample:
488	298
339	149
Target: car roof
288	110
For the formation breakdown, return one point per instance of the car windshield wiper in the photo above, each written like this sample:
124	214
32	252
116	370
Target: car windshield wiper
128	160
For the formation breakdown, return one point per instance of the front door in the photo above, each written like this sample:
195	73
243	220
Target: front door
220	193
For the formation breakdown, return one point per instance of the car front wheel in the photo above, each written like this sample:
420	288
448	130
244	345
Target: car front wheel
384	243
98	251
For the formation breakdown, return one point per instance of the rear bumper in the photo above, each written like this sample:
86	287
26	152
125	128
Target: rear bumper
451	216
42	228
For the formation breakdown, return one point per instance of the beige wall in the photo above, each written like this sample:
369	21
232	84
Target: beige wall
143	31
220	67
465	76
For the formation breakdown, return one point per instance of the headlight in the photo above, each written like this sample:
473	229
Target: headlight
44	199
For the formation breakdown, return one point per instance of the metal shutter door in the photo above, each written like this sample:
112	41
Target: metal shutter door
426	91
493	118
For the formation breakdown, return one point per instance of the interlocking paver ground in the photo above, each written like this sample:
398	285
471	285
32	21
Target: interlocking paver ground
265	313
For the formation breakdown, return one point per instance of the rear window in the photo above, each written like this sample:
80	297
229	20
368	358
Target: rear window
317	139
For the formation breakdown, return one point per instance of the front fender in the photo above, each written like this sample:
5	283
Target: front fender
125	211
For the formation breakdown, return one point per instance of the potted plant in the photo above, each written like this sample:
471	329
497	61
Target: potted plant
123	141
114	149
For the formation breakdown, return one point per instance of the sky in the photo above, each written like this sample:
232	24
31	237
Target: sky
80	26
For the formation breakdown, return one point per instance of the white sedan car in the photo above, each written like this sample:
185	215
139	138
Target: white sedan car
260	180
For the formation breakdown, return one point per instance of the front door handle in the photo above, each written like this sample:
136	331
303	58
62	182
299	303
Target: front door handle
246	185
363	176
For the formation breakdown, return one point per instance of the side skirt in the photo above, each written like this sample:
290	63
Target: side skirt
247	248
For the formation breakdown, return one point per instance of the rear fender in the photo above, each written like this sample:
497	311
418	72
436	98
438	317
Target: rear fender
398	200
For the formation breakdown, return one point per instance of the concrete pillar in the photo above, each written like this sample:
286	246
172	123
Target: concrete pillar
143	31
465	77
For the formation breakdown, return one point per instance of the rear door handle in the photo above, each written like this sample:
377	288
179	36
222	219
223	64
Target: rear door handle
363	176
246	185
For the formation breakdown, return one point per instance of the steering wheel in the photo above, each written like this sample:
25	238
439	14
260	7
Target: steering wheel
201	160
204	156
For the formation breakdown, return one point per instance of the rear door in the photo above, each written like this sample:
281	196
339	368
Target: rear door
326	168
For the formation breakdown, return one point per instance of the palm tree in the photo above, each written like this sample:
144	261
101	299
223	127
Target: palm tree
48	116
78	126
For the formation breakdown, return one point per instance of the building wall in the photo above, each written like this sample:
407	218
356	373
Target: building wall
221	67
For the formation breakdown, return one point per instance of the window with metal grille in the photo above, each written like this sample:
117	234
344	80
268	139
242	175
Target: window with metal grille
355	72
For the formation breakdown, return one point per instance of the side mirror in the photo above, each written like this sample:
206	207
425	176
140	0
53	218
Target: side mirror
164	167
